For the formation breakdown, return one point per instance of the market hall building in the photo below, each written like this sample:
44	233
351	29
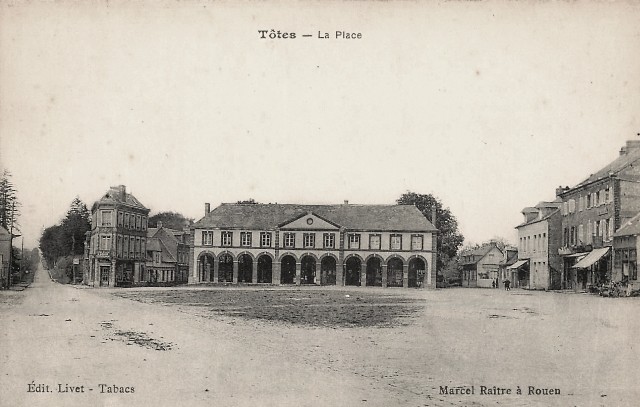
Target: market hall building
346	244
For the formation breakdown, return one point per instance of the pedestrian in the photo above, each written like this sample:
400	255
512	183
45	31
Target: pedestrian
493	284
507	285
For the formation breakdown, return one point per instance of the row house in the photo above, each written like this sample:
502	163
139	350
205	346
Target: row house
355	245
539	237
115	250
481	265
592	211
626	244
167	260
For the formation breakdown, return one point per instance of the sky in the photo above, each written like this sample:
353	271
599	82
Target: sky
487	105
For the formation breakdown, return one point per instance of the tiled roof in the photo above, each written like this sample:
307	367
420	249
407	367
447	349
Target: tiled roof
630	228
352	217
116	195
617	165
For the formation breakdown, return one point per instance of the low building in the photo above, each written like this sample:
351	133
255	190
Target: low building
117	242
626	244
539	237
5	251
167	260
592	211
359	245
481	266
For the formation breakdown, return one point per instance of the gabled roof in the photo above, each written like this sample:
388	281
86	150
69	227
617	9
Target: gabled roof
352	217
118	195
478	253
622	162
630	228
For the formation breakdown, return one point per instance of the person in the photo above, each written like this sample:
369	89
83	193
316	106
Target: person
493	283
507	285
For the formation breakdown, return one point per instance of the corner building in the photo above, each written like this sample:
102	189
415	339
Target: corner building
345	245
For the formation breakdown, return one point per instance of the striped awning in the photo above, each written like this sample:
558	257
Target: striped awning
591	258
517	264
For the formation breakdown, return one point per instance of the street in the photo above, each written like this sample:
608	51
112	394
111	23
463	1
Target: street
65	345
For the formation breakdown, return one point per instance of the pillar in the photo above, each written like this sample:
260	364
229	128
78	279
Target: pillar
235	271
112	274
298	267
340	274
216	270
317	278
275	272
384	275
405	275
363	276
254	274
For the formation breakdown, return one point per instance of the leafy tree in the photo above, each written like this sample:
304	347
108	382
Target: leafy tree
171	220
449	238
9	204
52	245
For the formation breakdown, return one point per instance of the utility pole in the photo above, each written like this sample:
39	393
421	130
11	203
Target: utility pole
13	205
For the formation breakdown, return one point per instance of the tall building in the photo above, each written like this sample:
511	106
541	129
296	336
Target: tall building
591	213
539	236
116	251
360	245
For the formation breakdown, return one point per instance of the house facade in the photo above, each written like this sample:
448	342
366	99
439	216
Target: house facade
539	237
116	245
167	257
481	266
356	245
5	250
591	213
626	243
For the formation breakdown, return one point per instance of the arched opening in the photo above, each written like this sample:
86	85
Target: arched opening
287	270
352	272
394	272
265	267
328	271
245	269
205	273
225	268
308	270
417	269
374	272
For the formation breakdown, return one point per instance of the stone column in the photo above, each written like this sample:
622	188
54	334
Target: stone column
317	279
254	275
384	275
298	267
235	272
196	272
363	276
216	269
275	272
405	275
112	274
339	275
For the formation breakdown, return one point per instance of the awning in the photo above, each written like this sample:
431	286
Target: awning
591	258
517	264
577	254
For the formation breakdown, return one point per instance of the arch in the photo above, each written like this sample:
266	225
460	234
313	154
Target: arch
352	267
328	270
348	257
395	256
225	267
245	253
245	268
417	270
288	254
287	269
374	271
308	269
265	268
395	271
273	258
206	261
374	255
324	256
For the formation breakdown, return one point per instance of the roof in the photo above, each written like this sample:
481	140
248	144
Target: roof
118	195
478	253
349	216
617	165
547	216
630	228
518	264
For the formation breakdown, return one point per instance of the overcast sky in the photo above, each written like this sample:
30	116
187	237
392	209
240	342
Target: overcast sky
489	106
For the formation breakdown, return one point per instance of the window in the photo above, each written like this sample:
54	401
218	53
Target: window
374	242
588	201
126	220
138	222
612	228
156	257
125	249
396	242
144	223
143	248
120	218
544	242
105	218
572	205
119	246
207	238
289	240
354	241
132	246
245	239
227	238
265	239
309	240
105	242
329	240
580	233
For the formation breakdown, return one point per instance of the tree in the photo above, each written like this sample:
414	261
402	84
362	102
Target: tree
9	204
76	223
171	220
449	238
51	245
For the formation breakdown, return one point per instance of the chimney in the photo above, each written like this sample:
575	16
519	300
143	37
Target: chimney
433	216
346	202
159	224
119	192
207	208
561	190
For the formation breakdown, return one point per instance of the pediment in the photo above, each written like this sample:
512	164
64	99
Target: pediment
309	221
